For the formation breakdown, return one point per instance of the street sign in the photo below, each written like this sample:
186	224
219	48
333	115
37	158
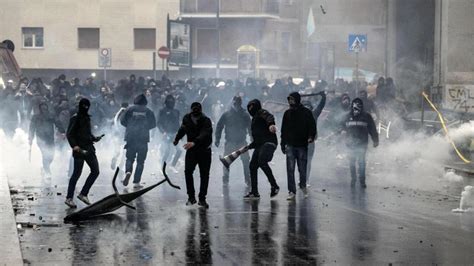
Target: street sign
357	43
163	52
105	57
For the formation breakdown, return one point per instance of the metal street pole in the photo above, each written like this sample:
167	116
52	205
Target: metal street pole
357	73
105	73
218	64
154	65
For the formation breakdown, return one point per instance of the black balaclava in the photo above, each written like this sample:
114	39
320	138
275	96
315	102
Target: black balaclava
84	105
140	100
170	102
345	101
196	109
237	102
357	107
254	106
295	98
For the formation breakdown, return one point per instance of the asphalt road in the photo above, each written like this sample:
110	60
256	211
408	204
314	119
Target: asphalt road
384	224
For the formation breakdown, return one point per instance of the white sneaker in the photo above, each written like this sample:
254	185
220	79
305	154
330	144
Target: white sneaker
137	185
84	199
291	196
70	203
305	191
126	179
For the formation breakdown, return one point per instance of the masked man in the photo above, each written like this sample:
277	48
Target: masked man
81	140
359	125
298	129
168	124
236	123
265	143
138	121
198	129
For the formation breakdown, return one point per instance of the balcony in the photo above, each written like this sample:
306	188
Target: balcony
230	8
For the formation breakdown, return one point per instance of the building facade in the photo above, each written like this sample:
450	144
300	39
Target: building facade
220	27
57	36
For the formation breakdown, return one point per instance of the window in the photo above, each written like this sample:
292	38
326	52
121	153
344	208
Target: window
286	42
88	38
32	37
145	38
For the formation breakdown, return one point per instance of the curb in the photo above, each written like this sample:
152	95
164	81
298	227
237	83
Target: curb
11	250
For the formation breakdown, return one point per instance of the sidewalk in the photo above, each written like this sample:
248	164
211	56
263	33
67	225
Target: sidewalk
10	251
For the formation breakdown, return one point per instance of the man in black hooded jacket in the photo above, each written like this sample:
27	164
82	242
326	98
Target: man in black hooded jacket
236	123
297	130
358	126
168	124
265	143
81	140
138	121
198	129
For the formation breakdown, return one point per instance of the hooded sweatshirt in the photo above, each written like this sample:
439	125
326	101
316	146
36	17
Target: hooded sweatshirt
298	124
138	121
360	126
261	121
79	129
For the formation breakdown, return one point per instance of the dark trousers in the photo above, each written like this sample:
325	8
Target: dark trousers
136	151
261	156
311	148
91	160
296	155
357	156
229	148
201	158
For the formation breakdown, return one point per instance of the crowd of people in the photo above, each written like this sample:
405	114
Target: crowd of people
72	112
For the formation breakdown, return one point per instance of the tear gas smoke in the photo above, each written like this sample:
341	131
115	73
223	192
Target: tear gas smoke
467	200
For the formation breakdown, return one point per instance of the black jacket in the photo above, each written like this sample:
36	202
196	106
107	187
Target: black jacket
359	128
168	120
138	121
260	129
297	127
200	132
237	125
79	132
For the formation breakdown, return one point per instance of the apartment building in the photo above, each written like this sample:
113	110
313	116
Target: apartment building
65	36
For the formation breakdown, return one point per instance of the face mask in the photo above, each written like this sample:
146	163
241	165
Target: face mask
356	109
252	110
291	101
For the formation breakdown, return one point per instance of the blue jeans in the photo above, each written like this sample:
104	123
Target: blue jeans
311	148
357	156
296	155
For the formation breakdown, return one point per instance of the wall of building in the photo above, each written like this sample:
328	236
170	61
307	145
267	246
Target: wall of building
350	17
60	20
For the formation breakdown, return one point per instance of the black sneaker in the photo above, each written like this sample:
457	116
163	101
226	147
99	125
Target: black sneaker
191	201
203	204
274	191
251	196
363	185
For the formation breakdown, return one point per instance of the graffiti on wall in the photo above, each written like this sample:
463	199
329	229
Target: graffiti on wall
460	98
